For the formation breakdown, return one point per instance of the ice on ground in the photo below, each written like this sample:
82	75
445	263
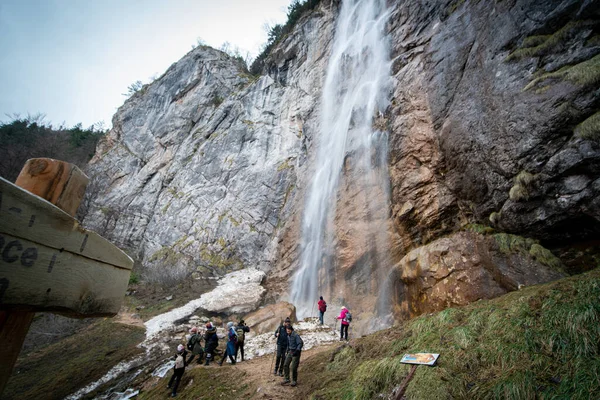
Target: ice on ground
237	292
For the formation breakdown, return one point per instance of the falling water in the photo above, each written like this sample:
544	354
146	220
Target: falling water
355	94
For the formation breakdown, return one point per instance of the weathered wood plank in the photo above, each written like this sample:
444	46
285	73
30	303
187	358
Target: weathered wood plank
60	183
46	279
30	217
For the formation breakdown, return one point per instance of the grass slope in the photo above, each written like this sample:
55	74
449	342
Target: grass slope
68	365
539	342
204	383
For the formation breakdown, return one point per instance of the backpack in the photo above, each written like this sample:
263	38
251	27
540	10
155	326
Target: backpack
323	307
179	362
240	334
348	317
193	340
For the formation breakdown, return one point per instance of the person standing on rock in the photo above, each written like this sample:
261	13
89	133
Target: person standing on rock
292	358
178	370
231	343
346	318
322	309
282	343
211	341
195	346
240	330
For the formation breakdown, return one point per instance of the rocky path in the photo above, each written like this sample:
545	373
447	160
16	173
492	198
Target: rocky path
259	373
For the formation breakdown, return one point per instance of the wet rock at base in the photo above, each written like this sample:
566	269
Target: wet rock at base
466	267
268	318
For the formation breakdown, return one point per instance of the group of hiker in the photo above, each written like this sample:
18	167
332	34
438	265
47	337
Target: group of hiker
288	350
235	344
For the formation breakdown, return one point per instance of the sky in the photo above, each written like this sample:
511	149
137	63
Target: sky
72	60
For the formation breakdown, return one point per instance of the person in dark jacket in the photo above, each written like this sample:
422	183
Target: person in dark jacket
292	358
195	346
178	369
322	309
241	329
231	342
211	342
282	343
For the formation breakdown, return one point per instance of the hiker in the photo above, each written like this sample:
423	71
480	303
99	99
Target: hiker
178	369
346	318
240	330
292	358
322	309
194	345
282	343
211	341
232	340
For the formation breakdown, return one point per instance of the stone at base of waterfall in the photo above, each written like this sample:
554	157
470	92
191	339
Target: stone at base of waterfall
465	267
268	318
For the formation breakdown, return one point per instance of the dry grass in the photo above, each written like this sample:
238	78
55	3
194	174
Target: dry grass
540	342
64	367
590	128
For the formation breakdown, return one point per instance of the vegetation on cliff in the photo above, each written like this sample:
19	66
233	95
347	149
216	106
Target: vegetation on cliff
277	32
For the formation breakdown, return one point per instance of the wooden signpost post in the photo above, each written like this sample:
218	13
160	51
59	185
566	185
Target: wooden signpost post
416	360
48	262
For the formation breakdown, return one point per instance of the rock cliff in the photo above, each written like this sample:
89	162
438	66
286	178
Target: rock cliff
493	121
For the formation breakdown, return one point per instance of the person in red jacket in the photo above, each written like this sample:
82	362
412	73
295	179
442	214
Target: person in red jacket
322	309
346	317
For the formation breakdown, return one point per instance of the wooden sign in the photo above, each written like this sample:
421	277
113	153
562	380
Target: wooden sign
420	358
48	262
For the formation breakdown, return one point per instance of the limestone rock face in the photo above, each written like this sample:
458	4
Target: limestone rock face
198	173
485	115
268	318
466	267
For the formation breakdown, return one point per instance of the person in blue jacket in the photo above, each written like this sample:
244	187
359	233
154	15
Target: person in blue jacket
231	342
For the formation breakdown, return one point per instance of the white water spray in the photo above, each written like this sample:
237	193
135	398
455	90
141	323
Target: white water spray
354	94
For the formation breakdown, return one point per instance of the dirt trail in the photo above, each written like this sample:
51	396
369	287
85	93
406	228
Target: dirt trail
259	373
128	318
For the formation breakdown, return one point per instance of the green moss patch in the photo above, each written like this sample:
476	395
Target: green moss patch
66	366
590	128
584	74
541	45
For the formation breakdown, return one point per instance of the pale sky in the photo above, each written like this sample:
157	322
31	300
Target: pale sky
72	59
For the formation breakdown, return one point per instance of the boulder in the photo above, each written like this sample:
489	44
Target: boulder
268	318
466	267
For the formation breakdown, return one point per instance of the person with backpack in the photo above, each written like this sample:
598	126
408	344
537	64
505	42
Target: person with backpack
346	318
282	343
195	346
240	330
292	358
322	309
211	342
178	370
231	343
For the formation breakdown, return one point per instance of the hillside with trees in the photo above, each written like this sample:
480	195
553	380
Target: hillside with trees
31	137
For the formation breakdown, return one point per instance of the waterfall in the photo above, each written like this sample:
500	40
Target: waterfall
355	94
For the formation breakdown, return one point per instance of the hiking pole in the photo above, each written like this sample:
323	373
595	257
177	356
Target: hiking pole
273	358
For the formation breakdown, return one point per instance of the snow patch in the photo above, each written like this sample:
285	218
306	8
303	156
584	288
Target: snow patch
237	292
